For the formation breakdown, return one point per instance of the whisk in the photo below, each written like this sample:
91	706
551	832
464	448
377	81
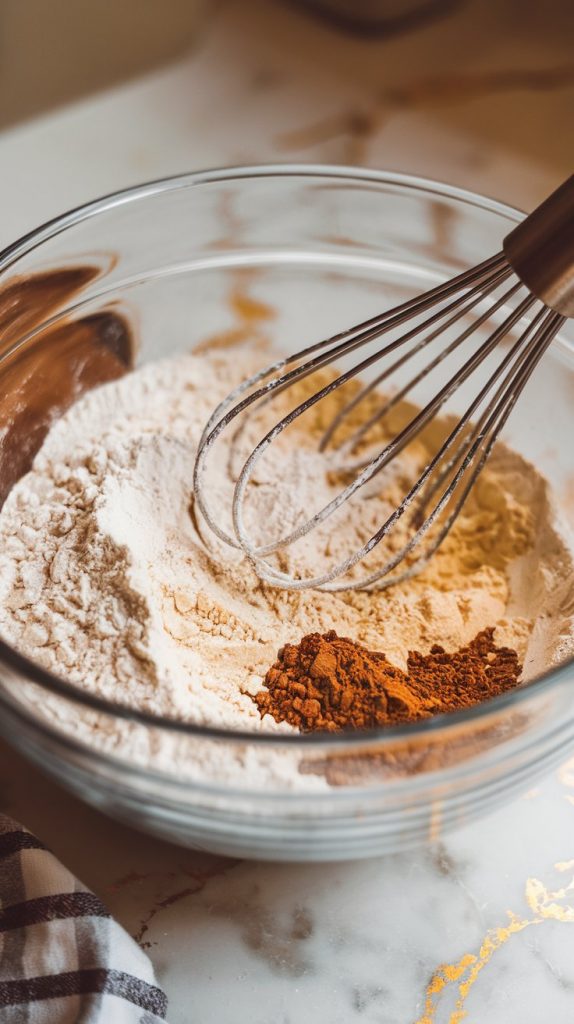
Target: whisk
537	259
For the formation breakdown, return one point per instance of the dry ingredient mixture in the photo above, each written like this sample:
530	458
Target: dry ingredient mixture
108	579
330	682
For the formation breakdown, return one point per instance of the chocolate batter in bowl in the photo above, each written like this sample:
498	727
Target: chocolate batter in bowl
228	264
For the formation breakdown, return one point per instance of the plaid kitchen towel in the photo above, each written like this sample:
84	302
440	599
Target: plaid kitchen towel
63	959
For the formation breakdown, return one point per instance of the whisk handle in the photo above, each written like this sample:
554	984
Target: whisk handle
541	250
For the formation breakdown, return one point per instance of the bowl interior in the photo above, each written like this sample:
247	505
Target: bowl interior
285	257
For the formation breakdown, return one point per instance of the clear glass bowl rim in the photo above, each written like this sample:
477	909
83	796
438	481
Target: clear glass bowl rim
553	679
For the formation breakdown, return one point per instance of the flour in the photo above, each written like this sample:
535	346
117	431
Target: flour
108	579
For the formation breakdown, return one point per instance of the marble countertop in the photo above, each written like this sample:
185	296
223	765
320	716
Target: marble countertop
477	926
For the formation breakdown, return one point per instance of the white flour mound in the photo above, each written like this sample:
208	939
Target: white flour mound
106	580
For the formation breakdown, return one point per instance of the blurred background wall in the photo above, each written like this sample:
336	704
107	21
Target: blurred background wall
52	51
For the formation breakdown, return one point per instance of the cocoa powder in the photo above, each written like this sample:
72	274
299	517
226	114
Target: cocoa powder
327	682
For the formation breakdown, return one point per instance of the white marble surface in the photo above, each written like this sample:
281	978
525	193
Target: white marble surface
482	924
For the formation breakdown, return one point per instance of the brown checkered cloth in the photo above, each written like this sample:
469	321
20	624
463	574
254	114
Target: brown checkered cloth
63	959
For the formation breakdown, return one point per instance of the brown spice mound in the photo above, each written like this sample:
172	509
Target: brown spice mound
329	682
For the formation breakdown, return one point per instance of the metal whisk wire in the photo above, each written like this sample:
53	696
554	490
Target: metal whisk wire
452	471
484	439
330	349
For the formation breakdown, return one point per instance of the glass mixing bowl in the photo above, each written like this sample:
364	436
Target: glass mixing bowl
152	271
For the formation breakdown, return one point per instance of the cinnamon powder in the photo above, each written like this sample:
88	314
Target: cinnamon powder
327	682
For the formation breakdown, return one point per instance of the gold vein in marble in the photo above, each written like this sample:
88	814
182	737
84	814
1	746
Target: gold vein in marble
545	905
357	126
